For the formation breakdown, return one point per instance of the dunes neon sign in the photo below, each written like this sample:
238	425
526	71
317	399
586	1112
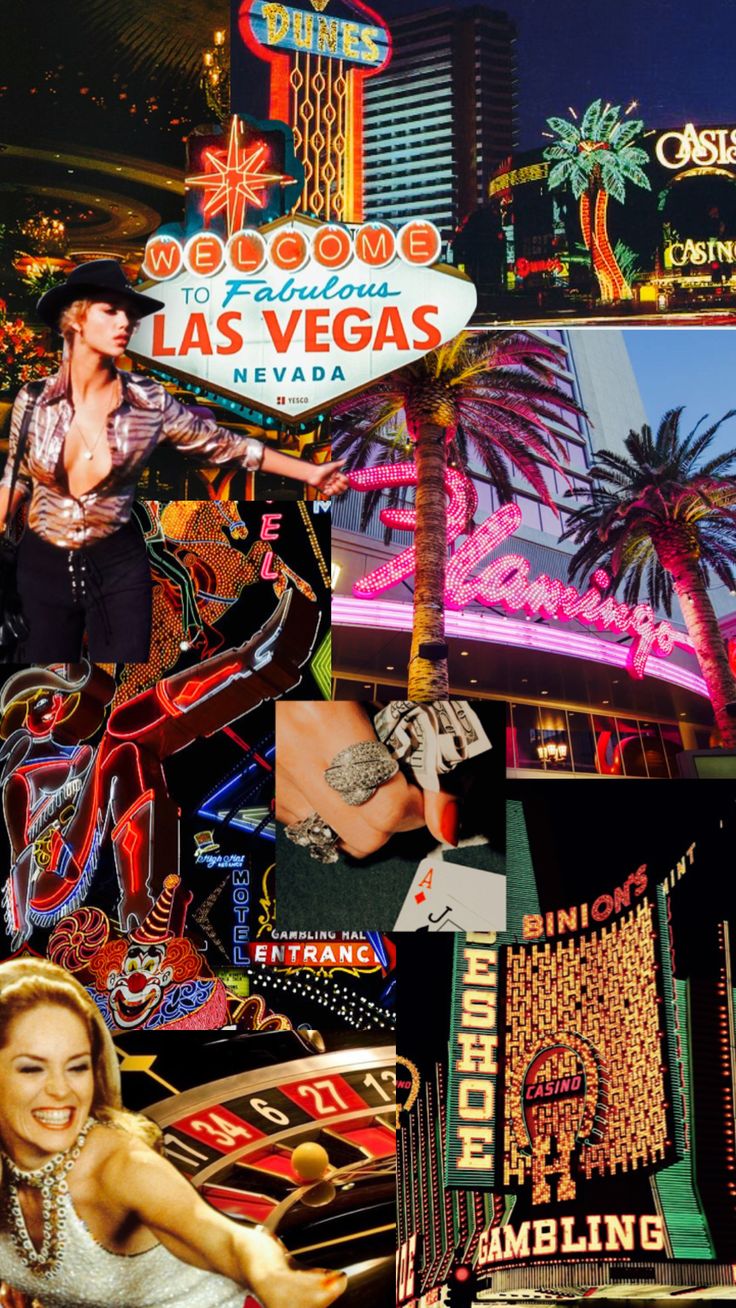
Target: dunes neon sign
505	582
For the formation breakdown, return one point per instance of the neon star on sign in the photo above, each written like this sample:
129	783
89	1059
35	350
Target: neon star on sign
238	178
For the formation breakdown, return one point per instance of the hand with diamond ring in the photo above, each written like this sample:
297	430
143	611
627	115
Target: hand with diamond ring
308	738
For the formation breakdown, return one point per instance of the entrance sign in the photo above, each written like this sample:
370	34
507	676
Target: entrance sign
294	315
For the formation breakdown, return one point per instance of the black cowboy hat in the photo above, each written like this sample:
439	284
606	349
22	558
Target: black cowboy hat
93	281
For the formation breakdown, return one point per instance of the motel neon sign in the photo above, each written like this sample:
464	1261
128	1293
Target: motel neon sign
505	581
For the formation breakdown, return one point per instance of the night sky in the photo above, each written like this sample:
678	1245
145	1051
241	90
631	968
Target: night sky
674	57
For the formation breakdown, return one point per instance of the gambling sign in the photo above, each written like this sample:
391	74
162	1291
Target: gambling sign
291	316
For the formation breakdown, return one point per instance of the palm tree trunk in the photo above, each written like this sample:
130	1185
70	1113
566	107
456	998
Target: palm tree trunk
702	626
587	200
585	218
427	678
605	261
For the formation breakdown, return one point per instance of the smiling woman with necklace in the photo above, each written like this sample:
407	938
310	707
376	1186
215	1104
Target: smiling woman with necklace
85	436
92	1216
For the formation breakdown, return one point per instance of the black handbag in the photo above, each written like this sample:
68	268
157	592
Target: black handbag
14	628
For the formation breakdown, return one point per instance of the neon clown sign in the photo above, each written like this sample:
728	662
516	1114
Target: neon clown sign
505	582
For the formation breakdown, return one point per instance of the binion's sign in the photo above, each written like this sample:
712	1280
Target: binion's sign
291	316
505	581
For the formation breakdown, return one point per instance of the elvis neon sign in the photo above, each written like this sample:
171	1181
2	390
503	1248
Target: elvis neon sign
505	582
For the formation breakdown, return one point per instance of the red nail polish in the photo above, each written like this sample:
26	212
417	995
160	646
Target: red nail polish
450	823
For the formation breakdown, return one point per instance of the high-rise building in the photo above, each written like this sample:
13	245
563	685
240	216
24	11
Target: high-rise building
442	117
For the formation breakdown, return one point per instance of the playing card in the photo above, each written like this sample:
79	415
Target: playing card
453	897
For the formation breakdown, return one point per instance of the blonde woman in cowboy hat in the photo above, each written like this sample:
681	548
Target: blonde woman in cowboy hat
93	1216
89	432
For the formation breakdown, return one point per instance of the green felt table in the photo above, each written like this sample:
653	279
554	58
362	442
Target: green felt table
352	896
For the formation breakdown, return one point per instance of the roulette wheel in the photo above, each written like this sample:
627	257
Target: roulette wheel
233	1109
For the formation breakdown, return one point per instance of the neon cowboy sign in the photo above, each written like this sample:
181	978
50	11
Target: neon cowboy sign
505	581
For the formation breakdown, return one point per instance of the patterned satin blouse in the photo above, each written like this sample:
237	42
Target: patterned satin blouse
146	415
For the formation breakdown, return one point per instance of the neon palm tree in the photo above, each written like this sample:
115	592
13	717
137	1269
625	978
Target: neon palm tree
663	521
495	394
596	158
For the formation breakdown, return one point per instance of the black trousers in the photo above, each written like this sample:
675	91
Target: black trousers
103	588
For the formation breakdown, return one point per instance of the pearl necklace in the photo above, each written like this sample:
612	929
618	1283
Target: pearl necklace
51	1181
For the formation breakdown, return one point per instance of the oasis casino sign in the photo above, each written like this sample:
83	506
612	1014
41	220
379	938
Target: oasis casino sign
291	316
697	147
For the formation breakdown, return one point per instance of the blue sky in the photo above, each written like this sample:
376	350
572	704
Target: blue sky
697	368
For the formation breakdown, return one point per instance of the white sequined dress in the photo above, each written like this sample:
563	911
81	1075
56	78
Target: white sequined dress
90	1276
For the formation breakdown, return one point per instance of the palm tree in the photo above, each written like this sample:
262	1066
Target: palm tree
495	394
664	520
596	159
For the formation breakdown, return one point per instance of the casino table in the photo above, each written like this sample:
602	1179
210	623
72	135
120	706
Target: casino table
359	896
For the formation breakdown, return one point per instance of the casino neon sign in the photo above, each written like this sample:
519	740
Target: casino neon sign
275	27
707	147
472	1123
319	62
505	582
678	254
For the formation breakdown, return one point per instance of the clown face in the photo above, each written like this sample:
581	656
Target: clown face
138	989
